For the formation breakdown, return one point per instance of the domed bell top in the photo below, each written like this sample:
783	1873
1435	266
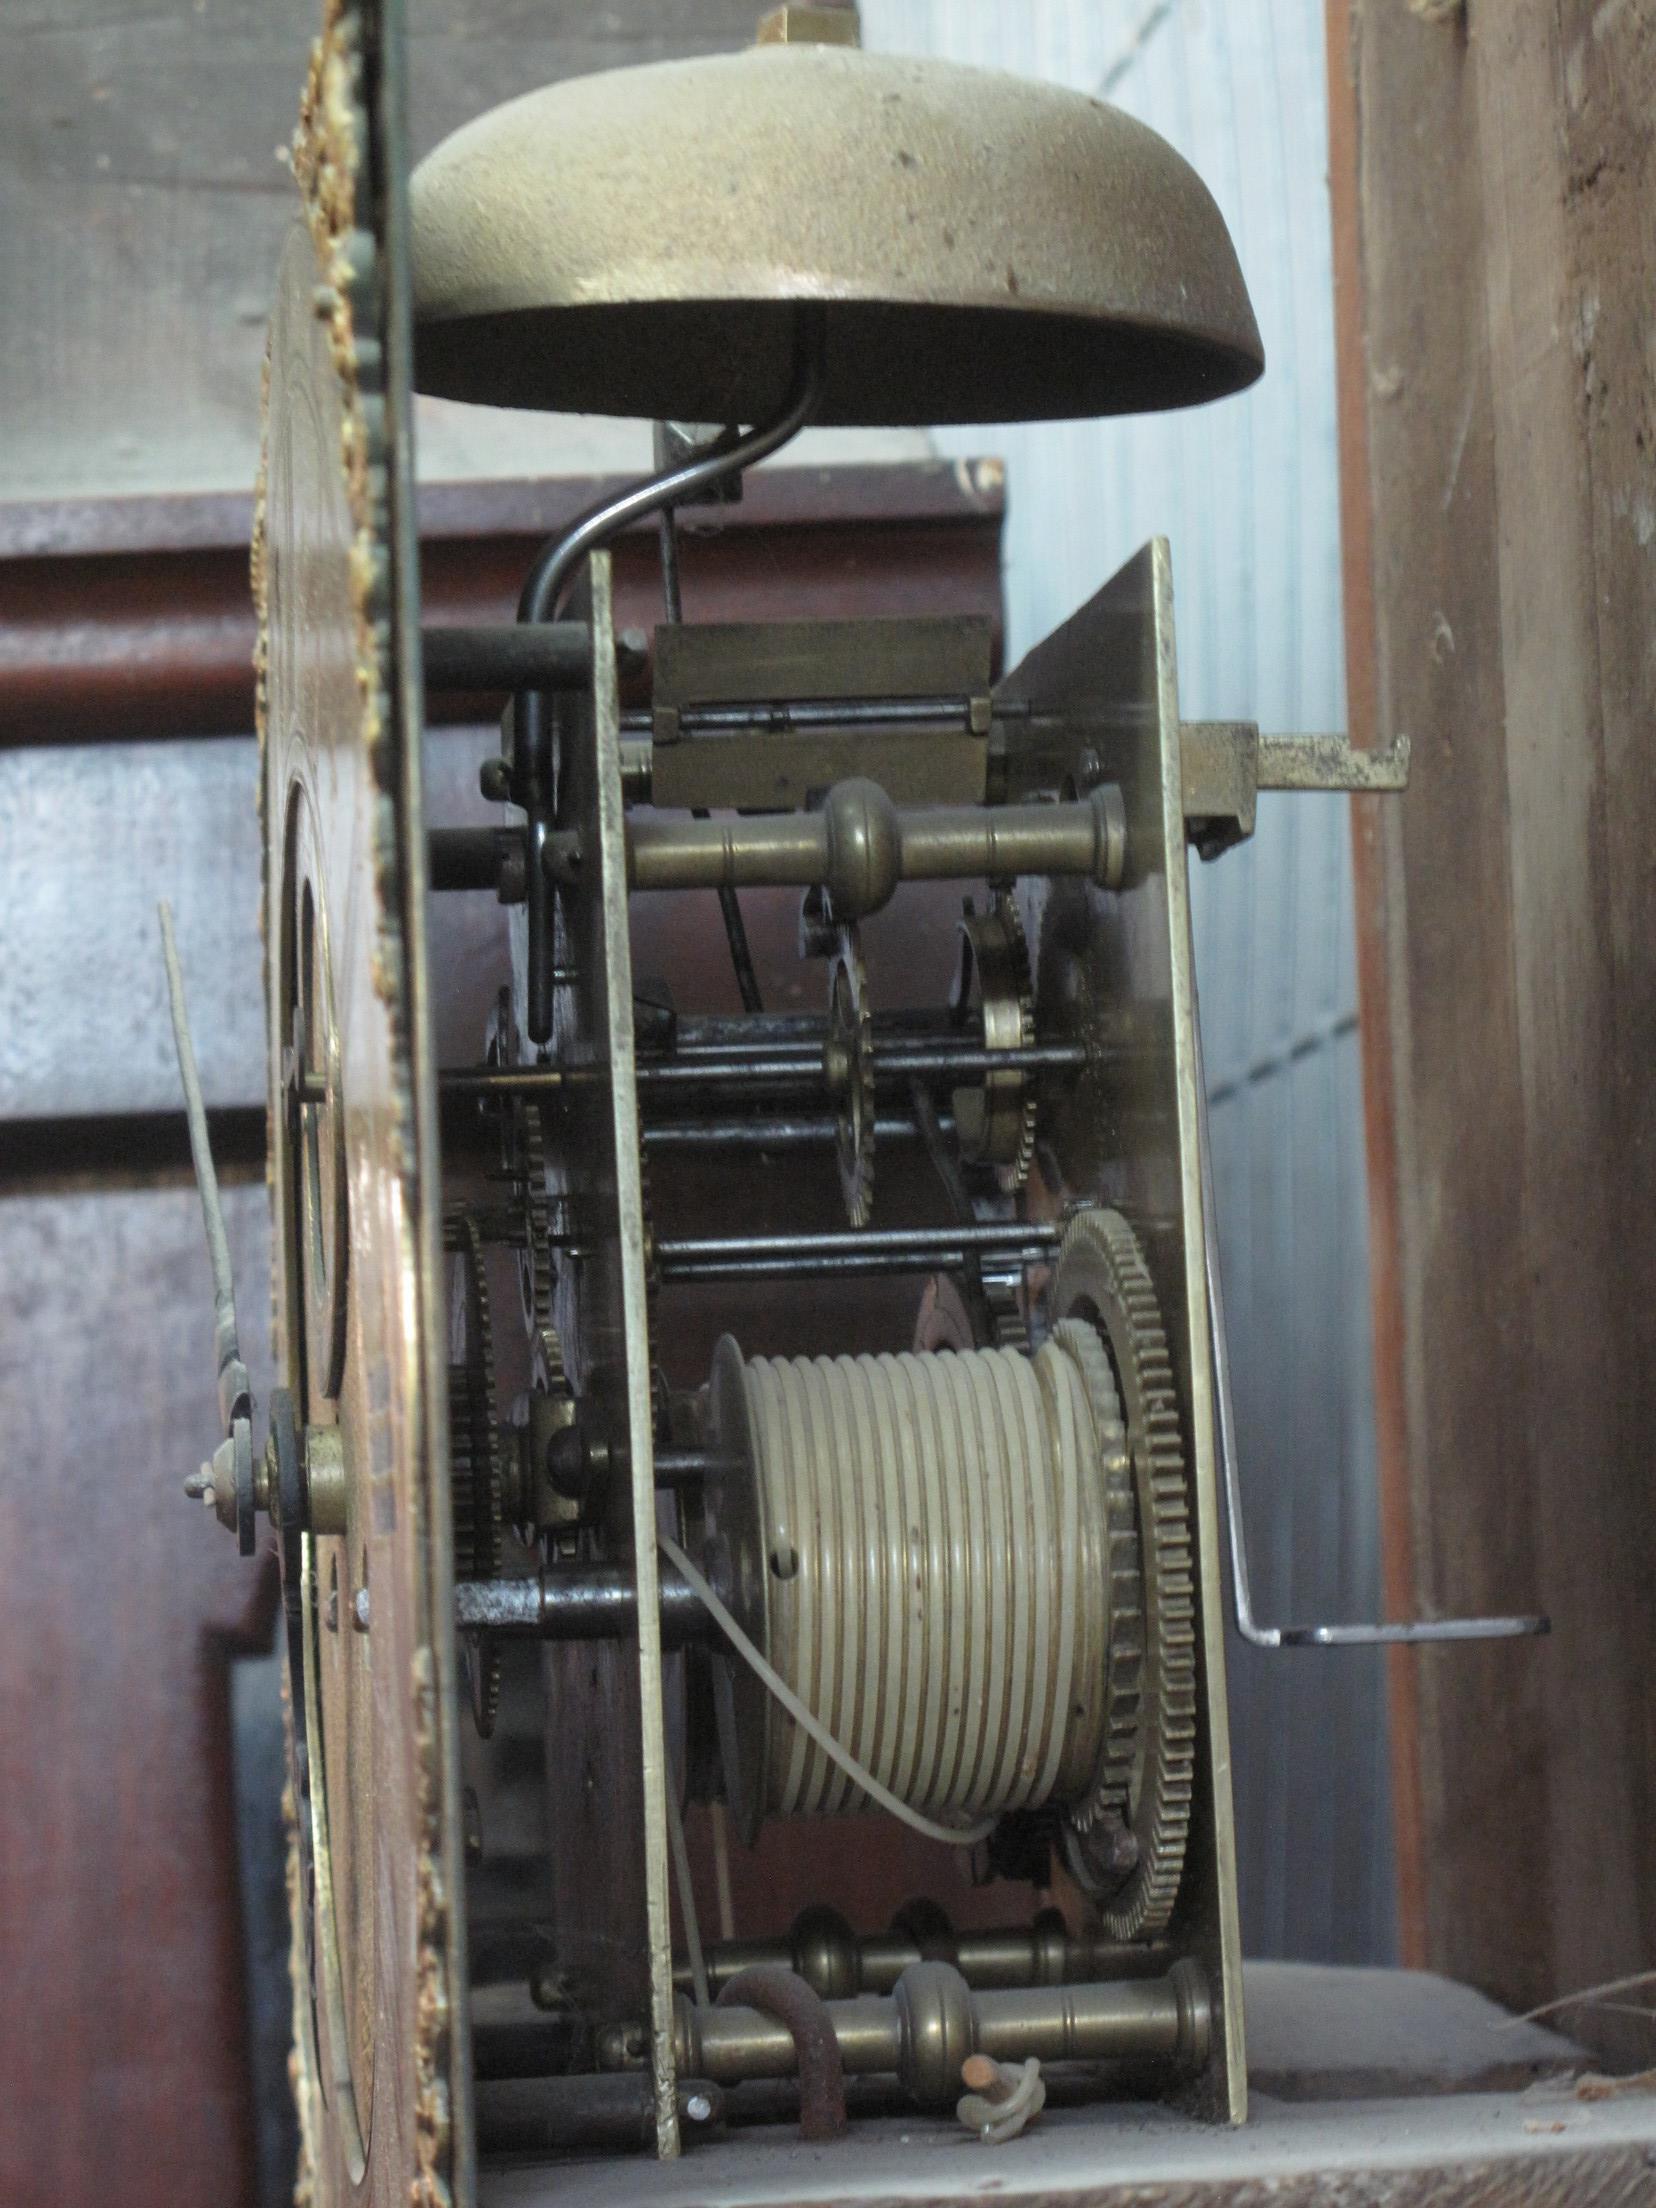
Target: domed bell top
983	248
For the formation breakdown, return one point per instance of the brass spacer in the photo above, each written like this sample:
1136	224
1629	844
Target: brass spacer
793	25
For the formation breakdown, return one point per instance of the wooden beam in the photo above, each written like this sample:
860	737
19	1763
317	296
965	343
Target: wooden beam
128	618
1496	251
1379	1097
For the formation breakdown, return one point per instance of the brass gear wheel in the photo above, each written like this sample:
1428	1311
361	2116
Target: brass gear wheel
475	1481
995	1118
1110	1799
474	1438
535	1269
851	1047
1131	1854
483	1675
945	1322
523	1166
1003	1297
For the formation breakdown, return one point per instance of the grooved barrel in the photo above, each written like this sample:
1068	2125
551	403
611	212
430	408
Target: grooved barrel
935	1546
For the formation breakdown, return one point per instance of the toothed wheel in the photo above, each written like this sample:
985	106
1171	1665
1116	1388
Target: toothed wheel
523	1165
474	1438
535	1266
483	1676
1127	1843
850	1060
1107	1809
944	1321
1003	1300
995	1118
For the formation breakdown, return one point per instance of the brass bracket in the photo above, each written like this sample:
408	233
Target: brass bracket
767	716
794	25
1227	763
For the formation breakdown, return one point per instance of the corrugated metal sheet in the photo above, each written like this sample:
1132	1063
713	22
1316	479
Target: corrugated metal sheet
1247	492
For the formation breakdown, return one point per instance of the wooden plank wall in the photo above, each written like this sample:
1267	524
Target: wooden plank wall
1495	205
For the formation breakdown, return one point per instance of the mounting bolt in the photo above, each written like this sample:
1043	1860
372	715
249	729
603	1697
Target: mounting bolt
576	1462
548	1986
494	779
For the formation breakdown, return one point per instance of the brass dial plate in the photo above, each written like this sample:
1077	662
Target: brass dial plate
360	1335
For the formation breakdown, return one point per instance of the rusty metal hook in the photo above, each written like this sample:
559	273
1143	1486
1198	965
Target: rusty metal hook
784	1996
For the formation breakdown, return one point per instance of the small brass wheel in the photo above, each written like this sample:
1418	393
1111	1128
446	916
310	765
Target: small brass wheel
995	1117
849	1065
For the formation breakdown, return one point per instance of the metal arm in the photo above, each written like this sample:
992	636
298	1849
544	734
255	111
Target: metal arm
234	1388
543	591
1292	1636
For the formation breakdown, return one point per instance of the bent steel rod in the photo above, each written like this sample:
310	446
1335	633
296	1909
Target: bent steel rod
541	598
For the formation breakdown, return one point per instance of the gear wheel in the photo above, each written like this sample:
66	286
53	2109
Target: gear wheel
945	1322
474	1452
1102	1276
851	1048
1003	1298
535	1265
474	1441
995	1119
523	1165
483	1676
1110	1800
